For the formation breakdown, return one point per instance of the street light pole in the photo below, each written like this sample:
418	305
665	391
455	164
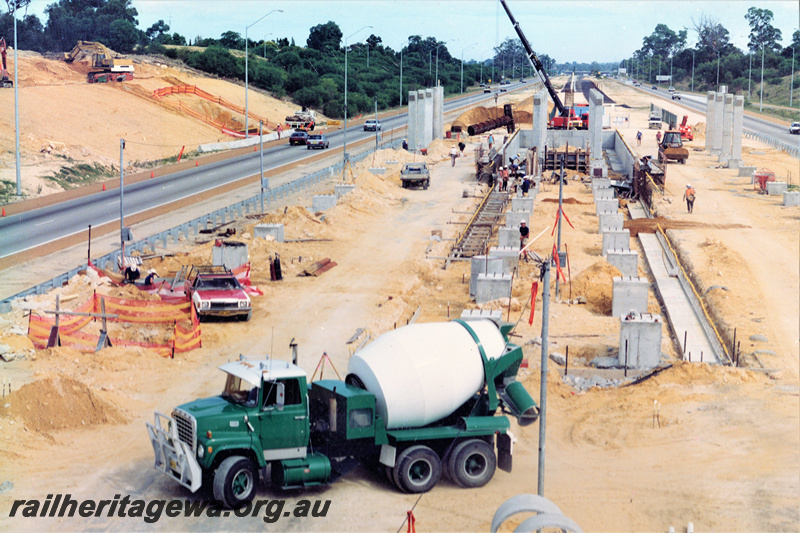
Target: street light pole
719	58
791	84
692	71
749	75
344	145
16	107
265	44
121	212
761	98
462	65
246	70
261	154
436	76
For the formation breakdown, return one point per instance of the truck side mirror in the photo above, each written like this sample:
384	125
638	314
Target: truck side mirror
280	395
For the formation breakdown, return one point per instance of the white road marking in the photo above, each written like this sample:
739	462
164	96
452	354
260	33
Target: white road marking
43	223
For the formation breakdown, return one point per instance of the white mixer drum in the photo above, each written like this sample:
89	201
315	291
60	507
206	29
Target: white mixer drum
423	372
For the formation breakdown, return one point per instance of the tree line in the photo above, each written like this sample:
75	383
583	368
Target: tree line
714	60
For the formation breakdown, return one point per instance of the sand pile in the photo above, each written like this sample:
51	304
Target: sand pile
60	403
649	225
596	284
477	115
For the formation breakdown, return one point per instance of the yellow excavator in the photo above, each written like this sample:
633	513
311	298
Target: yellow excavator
106	65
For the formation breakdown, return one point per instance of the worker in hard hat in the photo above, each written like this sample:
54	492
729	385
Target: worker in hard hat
689	195
151	274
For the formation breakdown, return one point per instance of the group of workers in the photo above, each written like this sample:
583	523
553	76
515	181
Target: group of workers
132	274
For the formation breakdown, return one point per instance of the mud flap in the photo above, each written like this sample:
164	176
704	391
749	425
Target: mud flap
505	447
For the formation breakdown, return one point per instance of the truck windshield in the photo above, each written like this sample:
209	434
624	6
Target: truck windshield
240	391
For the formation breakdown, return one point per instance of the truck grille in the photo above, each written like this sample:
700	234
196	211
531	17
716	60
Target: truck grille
187	427
225	306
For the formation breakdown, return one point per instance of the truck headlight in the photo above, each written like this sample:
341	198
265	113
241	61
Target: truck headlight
243	303
205	304
200	450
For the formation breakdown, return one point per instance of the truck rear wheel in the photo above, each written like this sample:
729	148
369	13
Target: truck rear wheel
235	481
472	463
418	469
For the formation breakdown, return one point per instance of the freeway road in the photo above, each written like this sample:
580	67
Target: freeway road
760	125
31	229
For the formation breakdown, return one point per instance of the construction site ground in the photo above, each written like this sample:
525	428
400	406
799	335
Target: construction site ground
722	452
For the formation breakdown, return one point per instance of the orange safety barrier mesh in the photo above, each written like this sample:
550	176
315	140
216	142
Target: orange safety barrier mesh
173	310
192	89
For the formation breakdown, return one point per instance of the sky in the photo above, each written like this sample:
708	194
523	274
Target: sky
582	31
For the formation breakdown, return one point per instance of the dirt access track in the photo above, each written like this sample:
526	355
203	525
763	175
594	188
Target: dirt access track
723	454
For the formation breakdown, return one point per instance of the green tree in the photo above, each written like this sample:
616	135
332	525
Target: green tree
231	40
325	37
157	30
762	32
124	36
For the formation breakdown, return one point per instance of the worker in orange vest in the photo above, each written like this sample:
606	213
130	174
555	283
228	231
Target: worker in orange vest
689	195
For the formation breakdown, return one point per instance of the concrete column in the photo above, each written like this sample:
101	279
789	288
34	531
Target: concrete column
427	127
616	240
709	119
609	222
322	202
491	287
628	294
483	264
438	112
604	193
420	120
791	198
411	133
606	206
513	218
727	127
596	160
716	140
539	122
736	133
522	204
507	237
640	337
262	230
626	261
510	257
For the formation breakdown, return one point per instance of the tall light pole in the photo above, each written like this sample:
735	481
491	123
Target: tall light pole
16	100
436	76
246	129
719	58
791	83
401	71
487	50
692	71
462	65
761	98
670	72
265	44
750	75
344	145
121	212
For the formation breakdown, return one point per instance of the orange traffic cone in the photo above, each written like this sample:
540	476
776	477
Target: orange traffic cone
196	163
152	175
104	186
4	211
255	148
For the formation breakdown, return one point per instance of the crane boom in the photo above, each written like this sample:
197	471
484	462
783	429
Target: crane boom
536	62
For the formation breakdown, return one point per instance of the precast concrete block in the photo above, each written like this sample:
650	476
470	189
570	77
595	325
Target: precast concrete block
514	218
378	171
716	134
626	261
507	237
231	254
323	202
629	294
616	240
491	287
604	194
791	198
727	129
601	183
609	222
640	340
606	206
746	171
341	190
710	103
509	255
483	264
481	314
736	132
262	230
522	204
776	188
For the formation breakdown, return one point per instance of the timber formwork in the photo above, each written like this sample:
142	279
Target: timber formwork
474	240
573	159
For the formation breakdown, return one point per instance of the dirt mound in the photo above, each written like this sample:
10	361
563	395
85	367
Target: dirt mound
477	115
60	403
596	284
649	225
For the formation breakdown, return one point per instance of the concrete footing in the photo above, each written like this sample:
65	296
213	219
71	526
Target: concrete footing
323	202
629	294
341	190
522	204
776	188
606	206
508	237
483	264
626	261
746	171
609	222
510	257
513	218
641	336
604	194
262	230
491	287
601	183
791	198
481	314
616	240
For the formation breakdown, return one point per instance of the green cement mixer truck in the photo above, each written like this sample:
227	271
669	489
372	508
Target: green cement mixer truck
420	401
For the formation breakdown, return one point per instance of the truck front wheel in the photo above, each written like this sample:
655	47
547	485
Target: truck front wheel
418	469
472	463
235	481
